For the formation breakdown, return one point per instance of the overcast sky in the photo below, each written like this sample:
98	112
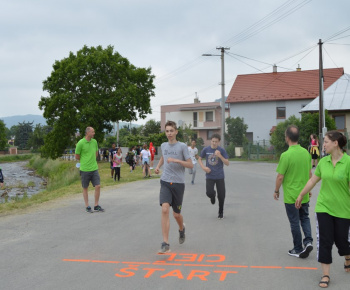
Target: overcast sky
169	36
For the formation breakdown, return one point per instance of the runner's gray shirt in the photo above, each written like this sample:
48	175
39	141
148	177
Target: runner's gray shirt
174	172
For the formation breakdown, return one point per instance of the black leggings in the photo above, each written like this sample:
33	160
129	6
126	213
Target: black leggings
220	187
116	173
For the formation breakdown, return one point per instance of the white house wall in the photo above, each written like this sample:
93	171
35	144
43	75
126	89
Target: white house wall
261	116
185	116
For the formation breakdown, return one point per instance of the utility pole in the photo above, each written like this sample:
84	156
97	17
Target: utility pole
222	49
322	123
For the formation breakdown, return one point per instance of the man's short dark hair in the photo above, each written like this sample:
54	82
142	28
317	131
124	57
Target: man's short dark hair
215	135
292	133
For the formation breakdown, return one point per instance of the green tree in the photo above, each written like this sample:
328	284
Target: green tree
151	127
277	137
94	87
3	139
185	134
307	125
23	134
157	139
12	132
236	130
36	139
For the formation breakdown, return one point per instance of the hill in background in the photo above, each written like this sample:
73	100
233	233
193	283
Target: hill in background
14	120
38	119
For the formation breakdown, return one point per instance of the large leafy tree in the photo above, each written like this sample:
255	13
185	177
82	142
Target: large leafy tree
93	87
3	139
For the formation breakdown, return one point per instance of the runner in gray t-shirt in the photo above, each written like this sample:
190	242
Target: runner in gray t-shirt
175	158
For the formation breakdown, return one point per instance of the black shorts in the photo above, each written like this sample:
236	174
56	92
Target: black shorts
87	176
172	193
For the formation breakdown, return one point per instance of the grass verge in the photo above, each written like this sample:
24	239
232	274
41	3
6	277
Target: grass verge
15	158
63	179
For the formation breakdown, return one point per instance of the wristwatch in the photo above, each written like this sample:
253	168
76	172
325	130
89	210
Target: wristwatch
277	191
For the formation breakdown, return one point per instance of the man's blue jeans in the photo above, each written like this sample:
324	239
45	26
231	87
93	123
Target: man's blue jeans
297	218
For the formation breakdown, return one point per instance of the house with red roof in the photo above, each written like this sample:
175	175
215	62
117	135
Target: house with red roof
264	100
203	118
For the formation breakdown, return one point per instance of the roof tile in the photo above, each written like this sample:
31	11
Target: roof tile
281	86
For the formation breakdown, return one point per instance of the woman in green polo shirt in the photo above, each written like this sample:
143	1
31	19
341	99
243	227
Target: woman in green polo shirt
333	203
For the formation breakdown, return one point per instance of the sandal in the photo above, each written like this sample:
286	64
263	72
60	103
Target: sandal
324	282
347	266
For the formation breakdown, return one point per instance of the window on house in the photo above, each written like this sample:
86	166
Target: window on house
209	116
340	122
195	119
281	112
209	134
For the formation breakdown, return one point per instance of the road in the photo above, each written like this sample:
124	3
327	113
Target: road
59	246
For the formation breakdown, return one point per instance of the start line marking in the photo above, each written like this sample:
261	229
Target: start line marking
183	260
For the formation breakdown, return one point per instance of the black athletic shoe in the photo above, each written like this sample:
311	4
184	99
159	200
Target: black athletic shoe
98	208
212	199
220	216
89	210
294	253
182	235
307	250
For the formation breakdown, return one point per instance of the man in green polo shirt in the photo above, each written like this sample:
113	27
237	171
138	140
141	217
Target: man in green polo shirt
86	152
294	171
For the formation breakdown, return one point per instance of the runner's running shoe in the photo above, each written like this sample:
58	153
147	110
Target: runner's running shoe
89	210
182	235
165	248
98	208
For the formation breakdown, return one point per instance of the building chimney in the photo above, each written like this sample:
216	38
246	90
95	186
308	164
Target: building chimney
196	100
298	68
274	68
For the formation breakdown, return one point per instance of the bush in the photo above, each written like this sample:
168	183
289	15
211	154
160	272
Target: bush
230	149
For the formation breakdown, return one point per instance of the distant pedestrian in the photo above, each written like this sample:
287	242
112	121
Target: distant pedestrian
175	159
294	171
86	152
117	163
152	150
138	151
333	204
314	150
145	156
1	179
215	157
112	152
130	155
193	151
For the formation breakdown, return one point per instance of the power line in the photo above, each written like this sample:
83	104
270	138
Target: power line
245	34
336	34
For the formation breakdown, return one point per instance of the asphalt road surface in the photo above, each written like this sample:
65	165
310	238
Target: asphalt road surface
60	246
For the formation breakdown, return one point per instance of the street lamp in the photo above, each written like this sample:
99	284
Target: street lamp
222	49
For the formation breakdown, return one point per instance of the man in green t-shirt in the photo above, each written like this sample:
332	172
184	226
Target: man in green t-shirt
86	152
294	171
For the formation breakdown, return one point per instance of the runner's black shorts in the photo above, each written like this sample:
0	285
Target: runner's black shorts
172	193
87	176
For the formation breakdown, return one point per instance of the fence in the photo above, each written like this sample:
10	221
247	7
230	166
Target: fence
259	150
